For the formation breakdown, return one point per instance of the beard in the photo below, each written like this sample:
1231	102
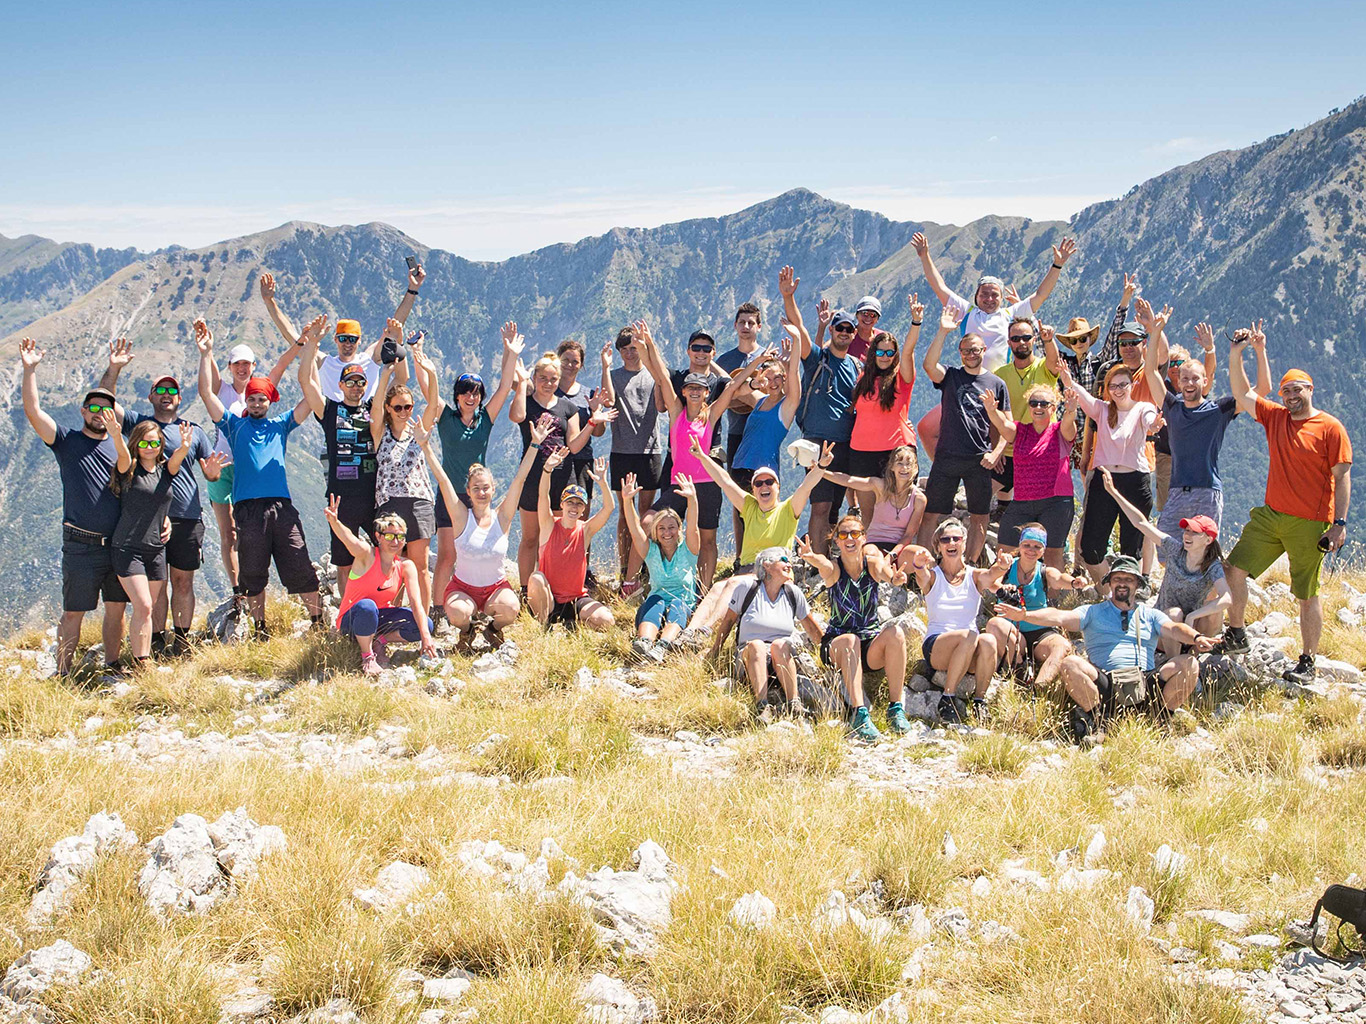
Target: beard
97	427
1122	594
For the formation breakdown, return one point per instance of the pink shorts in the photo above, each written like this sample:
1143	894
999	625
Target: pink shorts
479	595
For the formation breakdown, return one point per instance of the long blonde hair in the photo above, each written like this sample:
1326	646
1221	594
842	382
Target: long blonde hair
1118	368
889	486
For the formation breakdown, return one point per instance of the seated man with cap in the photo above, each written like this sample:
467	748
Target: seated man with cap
268	525
1121	636
988	316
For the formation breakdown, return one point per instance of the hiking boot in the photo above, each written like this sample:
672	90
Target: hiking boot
180	643
380	649
1234	641
158	644
260	631
465	642
1303	673
493	635
369	665
896	719
641	650
952	710
694	638
863	727
1083	725
980	712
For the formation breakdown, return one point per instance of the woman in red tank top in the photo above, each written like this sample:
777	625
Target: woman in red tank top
557	591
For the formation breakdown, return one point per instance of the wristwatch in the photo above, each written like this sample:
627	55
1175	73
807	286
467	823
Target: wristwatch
1339	522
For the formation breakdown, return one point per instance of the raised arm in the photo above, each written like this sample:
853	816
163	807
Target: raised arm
787	285
1258	342
1109	348
824	314
584	432
1152	360
813	476
932	275
640	543
423	436
513	343
1131	511
360	549
282	323
507	508
124	462
1005	425
598	471
426	381
1061	254
1079	396
691	524
1237	374
377	406
733	492
1211	359
792	399
521	384
405	306
948	321
545	517
308	365
203	339
912	338
1052	358
606	394
120	355
43	424
654	362
829	574
177	458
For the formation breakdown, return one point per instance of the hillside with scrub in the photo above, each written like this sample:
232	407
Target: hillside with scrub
538	833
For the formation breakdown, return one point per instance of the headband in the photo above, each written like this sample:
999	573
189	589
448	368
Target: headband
1035	534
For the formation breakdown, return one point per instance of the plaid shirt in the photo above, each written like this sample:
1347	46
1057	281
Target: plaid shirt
1086	370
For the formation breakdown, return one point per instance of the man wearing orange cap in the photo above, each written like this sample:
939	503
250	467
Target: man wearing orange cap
268	524
1307	494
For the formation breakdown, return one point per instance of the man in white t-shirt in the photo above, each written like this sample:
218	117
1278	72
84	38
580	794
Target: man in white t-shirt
988	315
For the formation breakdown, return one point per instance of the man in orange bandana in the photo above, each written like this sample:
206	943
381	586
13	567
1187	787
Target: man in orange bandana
1307	494
268	525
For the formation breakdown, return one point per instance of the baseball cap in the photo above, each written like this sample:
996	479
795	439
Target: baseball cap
761	471
1202	524
163	379
696	335
98	393
241	353
351	327
843	316
353	370
1132	327
868	302
574	491
697	378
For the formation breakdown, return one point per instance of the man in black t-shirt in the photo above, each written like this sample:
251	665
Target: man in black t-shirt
968	444
90	511
351	464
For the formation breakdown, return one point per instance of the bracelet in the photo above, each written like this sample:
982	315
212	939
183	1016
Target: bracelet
412	291
1057	266
916	323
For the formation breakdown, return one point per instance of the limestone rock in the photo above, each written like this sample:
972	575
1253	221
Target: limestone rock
393	886
445	990
607	1000
630	907
1139	908
182	873
240	843
954	923
753	910
71	858
38	970
1236	923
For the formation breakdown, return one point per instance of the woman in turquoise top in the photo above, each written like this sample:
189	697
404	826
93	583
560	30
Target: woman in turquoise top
672	565
1044	646
768	424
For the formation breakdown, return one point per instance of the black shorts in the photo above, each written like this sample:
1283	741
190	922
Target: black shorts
567	612
419	516
443	518
1033	636
88	576
840	462
141	561
946	472
270	528
743	478
709	501
561	478
871	464
357	513
863	646
185	549
647	469
733	446
1005	476
583	477
1054	513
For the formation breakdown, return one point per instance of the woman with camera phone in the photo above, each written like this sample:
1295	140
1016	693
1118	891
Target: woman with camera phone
1028	585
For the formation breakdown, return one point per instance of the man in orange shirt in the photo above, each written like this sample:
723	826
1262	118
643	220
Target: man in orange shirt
1305	515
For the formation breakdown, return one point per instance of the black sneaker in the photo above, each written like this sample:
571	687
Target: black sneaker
158	644
980	712
260	631
1234	641
952	710
1303	673
1083	725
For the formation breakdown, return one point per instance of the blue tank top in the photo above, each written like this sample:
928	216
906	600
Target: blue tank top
1035	591
764	433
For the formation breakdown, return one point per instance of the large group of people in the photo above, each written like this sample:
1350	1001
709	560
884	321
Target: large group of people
1031	422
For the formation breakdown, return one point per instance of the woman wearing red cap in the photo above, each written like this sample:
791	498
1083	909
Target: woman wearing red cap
1193	587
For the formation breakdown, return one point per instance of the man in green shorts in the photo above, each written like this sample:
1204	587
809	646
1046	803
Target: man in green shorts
1305	515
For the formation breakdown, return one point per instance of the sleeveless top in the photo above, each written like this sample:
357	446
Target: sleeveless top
681	433
564	561
764	433
948	607
888	524
372	584
480	550
853	604
402	469
1035	592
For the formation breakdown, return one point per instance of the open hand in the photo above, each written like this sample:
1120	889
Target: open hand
606	356
1204	334
216	461
948	320
393	329
186	436
628	488
120	352
111	421
268	287
203	337
920	245
30	353
540	429
553	460
685	487
788	281
598	471
1064	252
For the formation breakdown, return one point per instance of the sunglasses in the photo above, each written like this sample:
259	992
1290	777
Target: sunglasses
701	348
869	312
343	338
97	408
1130	342
884	353
165	391
1039	403
846	534
354	382
144	443
1176	362
402	408
1021	337
765	482
784	560
844	329
393	536
951	539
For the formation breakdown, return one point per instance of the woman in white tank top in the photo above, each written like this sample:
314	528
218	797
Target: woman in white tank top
953	596
481	530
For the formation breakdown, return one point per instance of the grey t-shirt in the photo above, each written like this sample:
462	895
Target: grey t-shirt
635	431
768	620
1182	588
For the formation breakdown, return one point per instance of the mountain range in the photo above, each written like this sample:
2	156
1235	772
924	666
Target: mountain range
1276	231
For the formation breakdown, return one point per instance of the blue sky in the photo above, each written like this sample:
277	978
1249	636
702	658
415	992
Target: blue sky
495	129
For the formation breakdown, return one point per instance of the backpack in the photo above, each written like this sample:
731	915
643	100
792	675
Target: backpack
789	591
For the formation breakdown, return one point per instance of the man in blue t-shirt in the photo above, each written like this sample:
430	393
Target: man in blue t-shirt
1119	634
90	511
268	524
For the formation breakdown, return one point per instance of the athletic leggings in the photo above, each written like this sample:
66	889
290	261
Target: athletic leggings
1101	513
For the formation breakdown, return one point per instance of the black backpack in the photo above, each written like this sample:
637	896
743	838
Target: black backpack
789	592
1348	905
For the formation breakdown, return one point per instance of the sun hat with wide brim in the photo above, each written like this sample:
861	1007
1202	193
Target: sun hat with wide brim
1079	328
1126	564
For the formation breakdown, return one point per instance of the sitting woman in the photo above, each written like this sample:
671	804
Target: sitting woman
481	544
953	596
899	504
856	641
367	612
673	568
1193	588
768	609
1044	646
558	590
142	480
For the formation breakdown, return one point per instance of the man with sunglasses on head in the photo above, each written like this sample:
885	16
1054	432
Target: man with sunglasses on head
184	549
90	511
